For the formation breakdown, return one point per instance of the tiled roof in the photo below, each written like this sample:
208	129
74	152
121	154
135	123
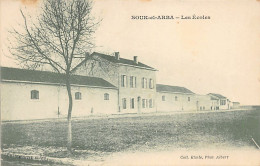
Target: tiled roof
217	95
15	74
173	89
213	98
120	61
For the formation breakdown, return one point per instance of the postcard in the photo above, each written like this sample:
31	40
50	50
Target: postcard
120	82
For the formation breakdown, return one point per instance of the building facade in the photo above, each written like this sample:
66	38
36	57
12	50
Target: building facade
135	81
235	105
221	102
39	95
175	98
101	84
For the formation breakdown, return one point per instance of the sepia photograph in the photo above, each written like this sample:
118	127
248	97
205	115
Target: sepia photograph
130	83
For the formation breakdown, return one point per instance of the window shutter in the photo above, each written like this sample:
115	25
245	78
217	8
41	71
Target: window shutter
131	81
135	81
122	80
126	81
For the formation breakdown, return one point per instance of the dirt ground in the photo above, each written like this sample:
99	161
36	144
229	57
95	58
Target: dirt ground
139	139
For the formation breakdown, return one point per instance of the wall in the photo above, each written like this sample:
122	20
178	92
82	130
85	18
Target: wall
196	103
112	73
138	92
16	102
215	104
235	105
99	67
226	106
170	104
205	102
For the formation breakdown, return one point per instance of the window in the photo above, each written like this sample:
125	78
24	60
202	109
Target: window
77	96
133	82
151	84
147	102
124	103
188	98
34	94
144	83
106	96
176	98
163	98
132	103
151	103
222	102
143	103
123	81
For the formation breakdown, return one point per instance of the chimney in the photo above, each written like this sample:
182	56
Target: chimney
117	56
136	59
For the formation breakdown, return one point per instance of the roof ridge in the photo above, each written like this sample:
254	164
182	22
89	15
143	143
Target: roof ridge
113	56
46	71
18	74
114	60
217	95
175	89
172	85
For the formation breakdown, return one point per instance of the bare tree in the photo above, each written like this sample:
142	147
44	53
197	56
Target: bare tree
62	31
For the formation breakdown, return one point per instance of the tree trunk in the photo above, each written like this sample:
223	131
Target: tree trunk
69	143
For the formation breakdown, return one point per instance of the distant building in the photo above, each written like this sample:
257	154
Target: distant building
175	98
221	102
235	105
214	102
104	84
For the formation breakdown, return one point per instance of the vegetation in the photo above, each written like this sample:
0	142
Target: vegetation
57	38
203	130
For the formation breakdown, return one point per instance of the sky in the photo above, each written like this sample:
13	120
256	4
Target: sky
216	55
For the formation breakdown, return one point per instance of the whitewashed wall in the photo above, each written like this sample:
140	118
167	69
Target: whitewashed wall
170	104
204	102
196	103
16	102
